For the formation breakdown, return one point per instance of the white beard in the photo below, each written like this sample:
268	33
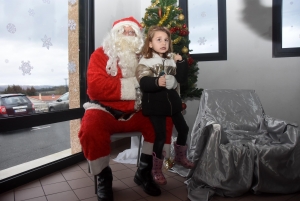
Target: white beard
123	49
127	47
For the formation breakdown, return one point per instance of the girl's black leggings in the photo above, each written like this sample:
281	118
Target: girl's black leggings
159	125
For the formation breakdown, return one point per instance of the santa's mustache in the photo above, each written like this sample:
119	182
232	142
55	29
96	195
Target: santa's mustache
127	43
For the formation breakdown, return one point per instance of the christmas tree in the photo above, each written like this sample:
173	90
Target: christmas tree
166	13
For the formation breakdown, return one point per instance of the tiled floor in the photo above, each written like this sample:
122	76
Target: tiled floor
75	183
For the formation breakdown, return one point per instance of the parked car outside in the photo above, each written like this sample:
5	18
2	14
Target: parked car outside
62	103
15	105
39	105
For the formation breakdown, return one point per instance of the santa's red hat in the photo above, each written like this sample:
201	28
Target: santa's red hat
128	21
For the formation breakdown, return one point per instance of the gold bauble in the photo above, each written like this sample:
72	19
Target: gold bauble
181	17
185	50
142	24
168	163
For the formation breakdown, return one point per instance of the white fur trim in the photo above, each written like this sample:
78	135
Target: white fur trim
96	166
89	106
128	91
147	148
93	106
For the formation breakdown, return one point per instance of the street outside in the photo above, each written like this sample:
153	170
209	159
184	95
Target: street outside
17	147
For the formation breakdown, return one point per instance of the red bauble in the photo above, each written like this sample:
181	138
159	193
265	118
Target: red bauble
183	105
190	60
173	30
184	32
184	26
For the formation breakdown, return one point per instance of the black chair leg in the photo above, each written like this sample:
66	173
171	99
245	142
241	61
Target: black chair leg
95	182
139	151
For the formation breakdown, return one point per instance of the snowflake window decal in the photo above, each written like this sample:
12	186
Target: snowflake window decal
46	42
72	67
26	67
46	1
202	41
31	12
11	28
72	2
203	14
72	25
6	60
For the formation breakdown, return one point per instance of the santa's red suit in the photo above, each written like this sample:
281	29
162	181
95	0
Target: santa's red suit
98	124
114	107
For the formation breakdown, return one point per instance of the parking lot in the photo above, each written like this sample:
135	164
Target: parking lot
39	105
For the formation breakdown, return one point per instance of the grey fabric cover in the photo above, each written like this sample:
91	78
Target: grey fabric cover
237	148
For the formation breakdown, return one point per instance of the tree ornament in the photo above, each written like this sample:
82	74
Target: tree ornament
142	24
173	30
184	50
177	40
169	163
181	17
159	12
183	105
165	17
184	26
190	60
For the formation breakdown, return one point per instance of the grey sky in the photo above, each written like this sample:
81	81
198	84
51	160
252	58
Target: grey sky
23	25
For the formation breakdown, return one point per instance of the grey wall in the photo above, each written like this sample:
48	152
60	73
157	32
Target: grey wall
249	64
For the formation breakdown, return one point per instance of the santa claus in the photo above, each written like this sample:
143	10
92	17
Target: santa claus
114	107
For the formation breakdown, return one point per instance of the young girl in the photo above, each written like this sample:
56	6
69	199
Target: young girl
159	72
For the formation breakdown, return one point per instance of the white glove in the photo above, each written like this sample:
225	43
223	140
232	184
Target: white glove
171	82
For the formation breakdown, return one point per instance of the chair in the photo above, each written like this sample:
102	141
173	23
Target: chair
122	135
237	148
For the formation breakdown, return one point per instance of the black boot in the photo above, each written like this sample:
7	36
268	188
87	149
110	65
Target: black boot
143	176
104	190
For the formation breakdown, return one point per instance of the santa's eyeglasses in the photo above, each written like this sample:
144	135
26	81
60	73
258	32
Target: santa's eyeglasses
129	33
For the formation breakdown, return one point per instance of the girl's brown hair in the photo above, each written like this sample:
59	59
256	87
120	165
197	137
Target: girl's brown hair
147	52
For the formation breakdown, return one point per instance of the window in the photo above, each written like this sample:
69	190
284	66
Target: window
206	20
286	31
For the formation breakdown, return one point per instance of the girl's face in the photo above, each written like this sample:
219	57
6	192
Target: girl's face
160	42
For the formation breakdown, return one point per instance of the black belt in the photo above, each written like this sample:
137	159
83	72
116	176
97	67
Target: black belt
118	114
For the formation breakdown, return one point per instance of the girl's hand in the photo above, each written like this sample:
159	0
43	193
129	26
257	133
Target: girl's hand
177	57
162	81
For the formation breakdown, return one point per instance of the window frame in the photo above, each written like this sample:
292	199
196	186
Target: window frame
222	32
278	51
